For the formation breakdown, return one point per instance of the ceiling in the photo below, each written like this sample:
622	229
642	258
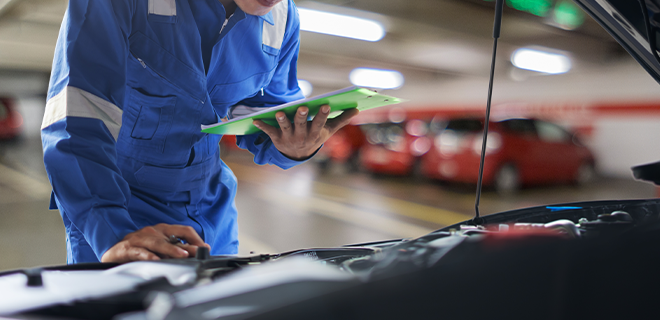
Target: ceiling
429	41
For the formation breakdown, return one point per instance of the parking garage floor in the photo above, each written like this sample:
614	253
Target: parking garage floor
283	210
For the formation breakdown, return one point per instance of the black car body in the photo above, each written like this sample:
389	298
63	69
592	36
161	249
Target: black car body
585	260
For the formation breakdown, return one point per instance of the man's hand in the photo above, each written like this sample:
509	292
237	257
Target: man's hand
300	140
152	243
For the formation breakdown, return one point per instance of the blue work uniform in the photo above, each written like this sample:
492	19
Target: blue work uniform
131	84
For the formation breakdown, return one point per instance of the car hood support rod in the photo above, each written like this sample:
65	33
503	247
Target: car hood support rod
496	34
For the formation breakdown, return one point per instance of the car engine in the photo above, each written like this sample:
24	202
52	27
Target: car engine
566	260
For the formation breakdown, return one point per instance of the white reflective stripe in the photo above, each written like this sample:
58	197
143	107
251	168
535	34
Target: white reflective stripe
162	7
74	102
273	35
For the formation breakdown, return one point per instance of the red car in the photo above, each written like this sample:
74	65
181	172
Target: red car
342	148
519	152
395	148
228	145
10	120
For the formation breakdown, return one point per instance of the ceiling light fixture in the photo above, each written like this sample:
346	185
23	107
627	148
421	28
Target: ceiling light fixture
541	61
340	25
376	78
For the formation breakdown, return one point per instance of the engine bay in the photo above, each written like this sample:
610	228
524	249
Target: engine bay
550	240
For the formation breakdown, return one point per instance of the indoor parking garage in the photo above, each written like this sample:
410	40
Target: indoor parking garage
575	105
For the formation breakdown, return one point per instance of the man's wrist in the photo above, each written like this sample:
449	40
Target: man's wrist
303	158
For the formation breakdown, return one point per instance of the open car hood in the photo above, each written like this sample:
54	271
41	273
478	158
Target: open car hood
583	260
629	22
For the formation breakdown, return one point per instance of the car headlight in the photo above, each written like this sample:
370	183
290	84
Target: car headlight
446	143
420	146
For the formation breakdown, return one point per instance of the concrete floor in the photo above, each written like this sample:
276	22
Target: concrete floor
282	210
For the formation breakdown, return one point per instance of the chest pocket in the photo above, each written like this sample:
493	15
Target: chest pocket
166	66
261	70
147	120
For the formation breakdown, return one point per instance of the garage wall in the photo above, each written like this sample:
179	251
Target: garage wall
32	110
620	143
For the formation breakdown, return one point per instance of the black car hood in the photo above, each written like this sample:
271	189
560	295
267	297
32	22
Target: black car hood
567	261
629	22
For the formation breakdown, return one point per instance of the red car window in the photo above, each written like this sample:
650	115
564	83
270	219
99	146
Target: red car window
523	127
549	132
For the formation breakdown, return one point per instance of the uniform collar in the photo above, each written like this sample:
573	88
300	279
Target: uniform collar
268	17
240	14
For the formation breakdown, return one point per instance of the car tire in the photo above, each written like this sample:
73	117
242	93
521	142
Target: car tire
354	163
507	180
585	174
324	166
416	171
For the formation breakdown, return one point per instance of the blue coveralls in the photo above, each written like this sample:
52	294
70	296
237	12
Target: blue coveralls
132	81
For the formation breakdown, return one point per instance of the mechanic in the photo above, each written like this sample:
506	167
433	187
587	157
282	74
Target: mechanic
132	81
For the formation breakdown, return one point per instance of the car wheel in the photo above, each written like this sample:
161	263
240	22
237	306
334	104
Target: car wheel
507	180
585	174
416	170
324	165
354	163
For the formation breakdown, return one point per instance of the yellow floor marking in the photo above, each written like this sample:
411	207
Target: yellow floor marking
24	184
398	206
373	202
341	212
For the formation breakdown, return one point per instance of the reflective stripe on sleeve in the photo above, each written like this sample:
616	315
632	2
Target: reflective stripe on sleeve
273	35
74	102
162	7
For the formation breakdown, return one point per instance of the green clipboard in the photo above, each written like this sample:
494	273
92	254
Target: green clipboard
347	98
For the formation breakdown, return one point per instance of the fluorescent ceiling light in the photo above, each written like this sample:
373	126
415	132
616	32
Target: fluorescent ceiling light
376	78
340	25
306	87
540	61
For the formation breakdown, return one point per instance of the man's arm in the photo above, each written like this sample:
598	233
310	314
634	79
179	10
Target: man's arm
291	144
81	125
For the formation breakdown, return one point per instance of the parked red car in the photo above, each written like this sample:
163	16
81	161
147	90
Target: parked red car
10	120
395	148
519	152
228	145
342	148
